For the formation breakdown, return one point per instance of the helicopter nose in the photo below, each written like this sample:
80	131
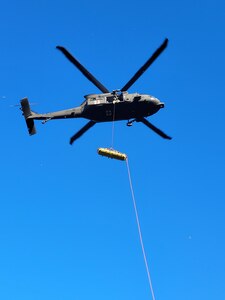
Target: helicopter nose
157	102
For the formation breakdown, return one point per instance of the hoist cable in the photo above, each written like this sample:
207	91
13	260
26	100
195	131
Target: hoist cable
139	231
113	123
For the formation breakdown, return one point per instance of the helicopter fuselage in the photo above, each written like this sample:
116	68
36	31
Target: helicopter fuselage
108	107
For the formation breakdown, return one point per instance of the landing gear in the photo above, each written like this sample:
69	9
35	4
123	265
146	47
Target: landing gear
130	122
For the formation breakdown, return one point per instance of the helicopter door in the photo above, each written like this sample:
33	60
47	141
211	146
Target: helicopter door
110	99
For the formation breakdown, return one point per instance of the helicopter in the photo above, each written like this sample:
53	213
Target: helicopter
106	106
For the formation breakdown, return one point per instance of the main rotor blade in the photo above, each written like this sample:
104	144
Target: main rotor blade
82	131
155	129
145	66
83	70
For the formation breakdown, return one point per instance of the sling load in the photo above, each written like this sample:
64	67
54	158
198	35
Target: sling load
111	153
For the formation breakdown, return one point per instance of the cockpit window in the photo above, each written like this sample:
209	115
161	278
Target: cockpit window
137	98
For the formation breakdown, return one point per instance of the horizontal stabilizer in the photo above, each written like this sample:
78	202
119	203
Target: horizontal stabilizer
25	107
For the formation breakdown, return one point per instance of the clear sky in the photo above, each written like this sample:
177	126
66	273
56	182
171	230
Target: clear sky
67	224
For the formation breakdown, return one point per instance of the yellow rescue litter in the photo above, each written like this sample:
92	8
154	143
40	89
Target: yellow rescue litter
111	153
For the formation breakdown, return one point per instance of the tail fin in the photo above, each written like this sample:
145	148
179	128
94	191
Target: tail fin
25	107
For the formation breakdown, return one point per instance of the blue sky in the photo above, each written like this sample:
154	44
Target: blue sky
67	224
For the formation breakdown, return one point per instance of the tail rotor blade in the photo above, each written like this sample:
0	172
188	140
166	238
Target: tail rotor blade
83	70
155	129
138	74
82	131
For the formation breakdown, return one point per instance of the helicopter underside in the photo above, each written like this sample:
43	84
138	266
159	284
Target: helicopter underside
119	111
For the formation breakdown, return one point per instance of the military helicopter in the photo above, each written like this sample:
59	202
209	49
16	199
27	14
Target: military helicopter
107	106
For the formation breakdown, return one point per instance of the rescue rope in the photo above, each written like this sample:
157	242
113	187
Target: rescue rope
139	232
113	123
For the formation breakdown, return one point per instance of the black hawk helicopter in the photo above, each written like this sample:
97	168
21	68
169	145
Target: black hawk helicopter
107	106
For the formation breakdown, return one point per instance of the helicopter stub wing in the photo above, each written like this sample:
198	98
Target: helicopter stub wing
83	70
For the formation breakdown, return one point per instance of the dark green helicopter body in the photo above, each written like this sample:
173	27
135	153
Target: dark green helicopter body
104	107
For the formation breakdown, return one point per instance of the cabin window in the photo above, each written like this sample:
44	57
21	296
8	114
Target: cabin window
137	98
